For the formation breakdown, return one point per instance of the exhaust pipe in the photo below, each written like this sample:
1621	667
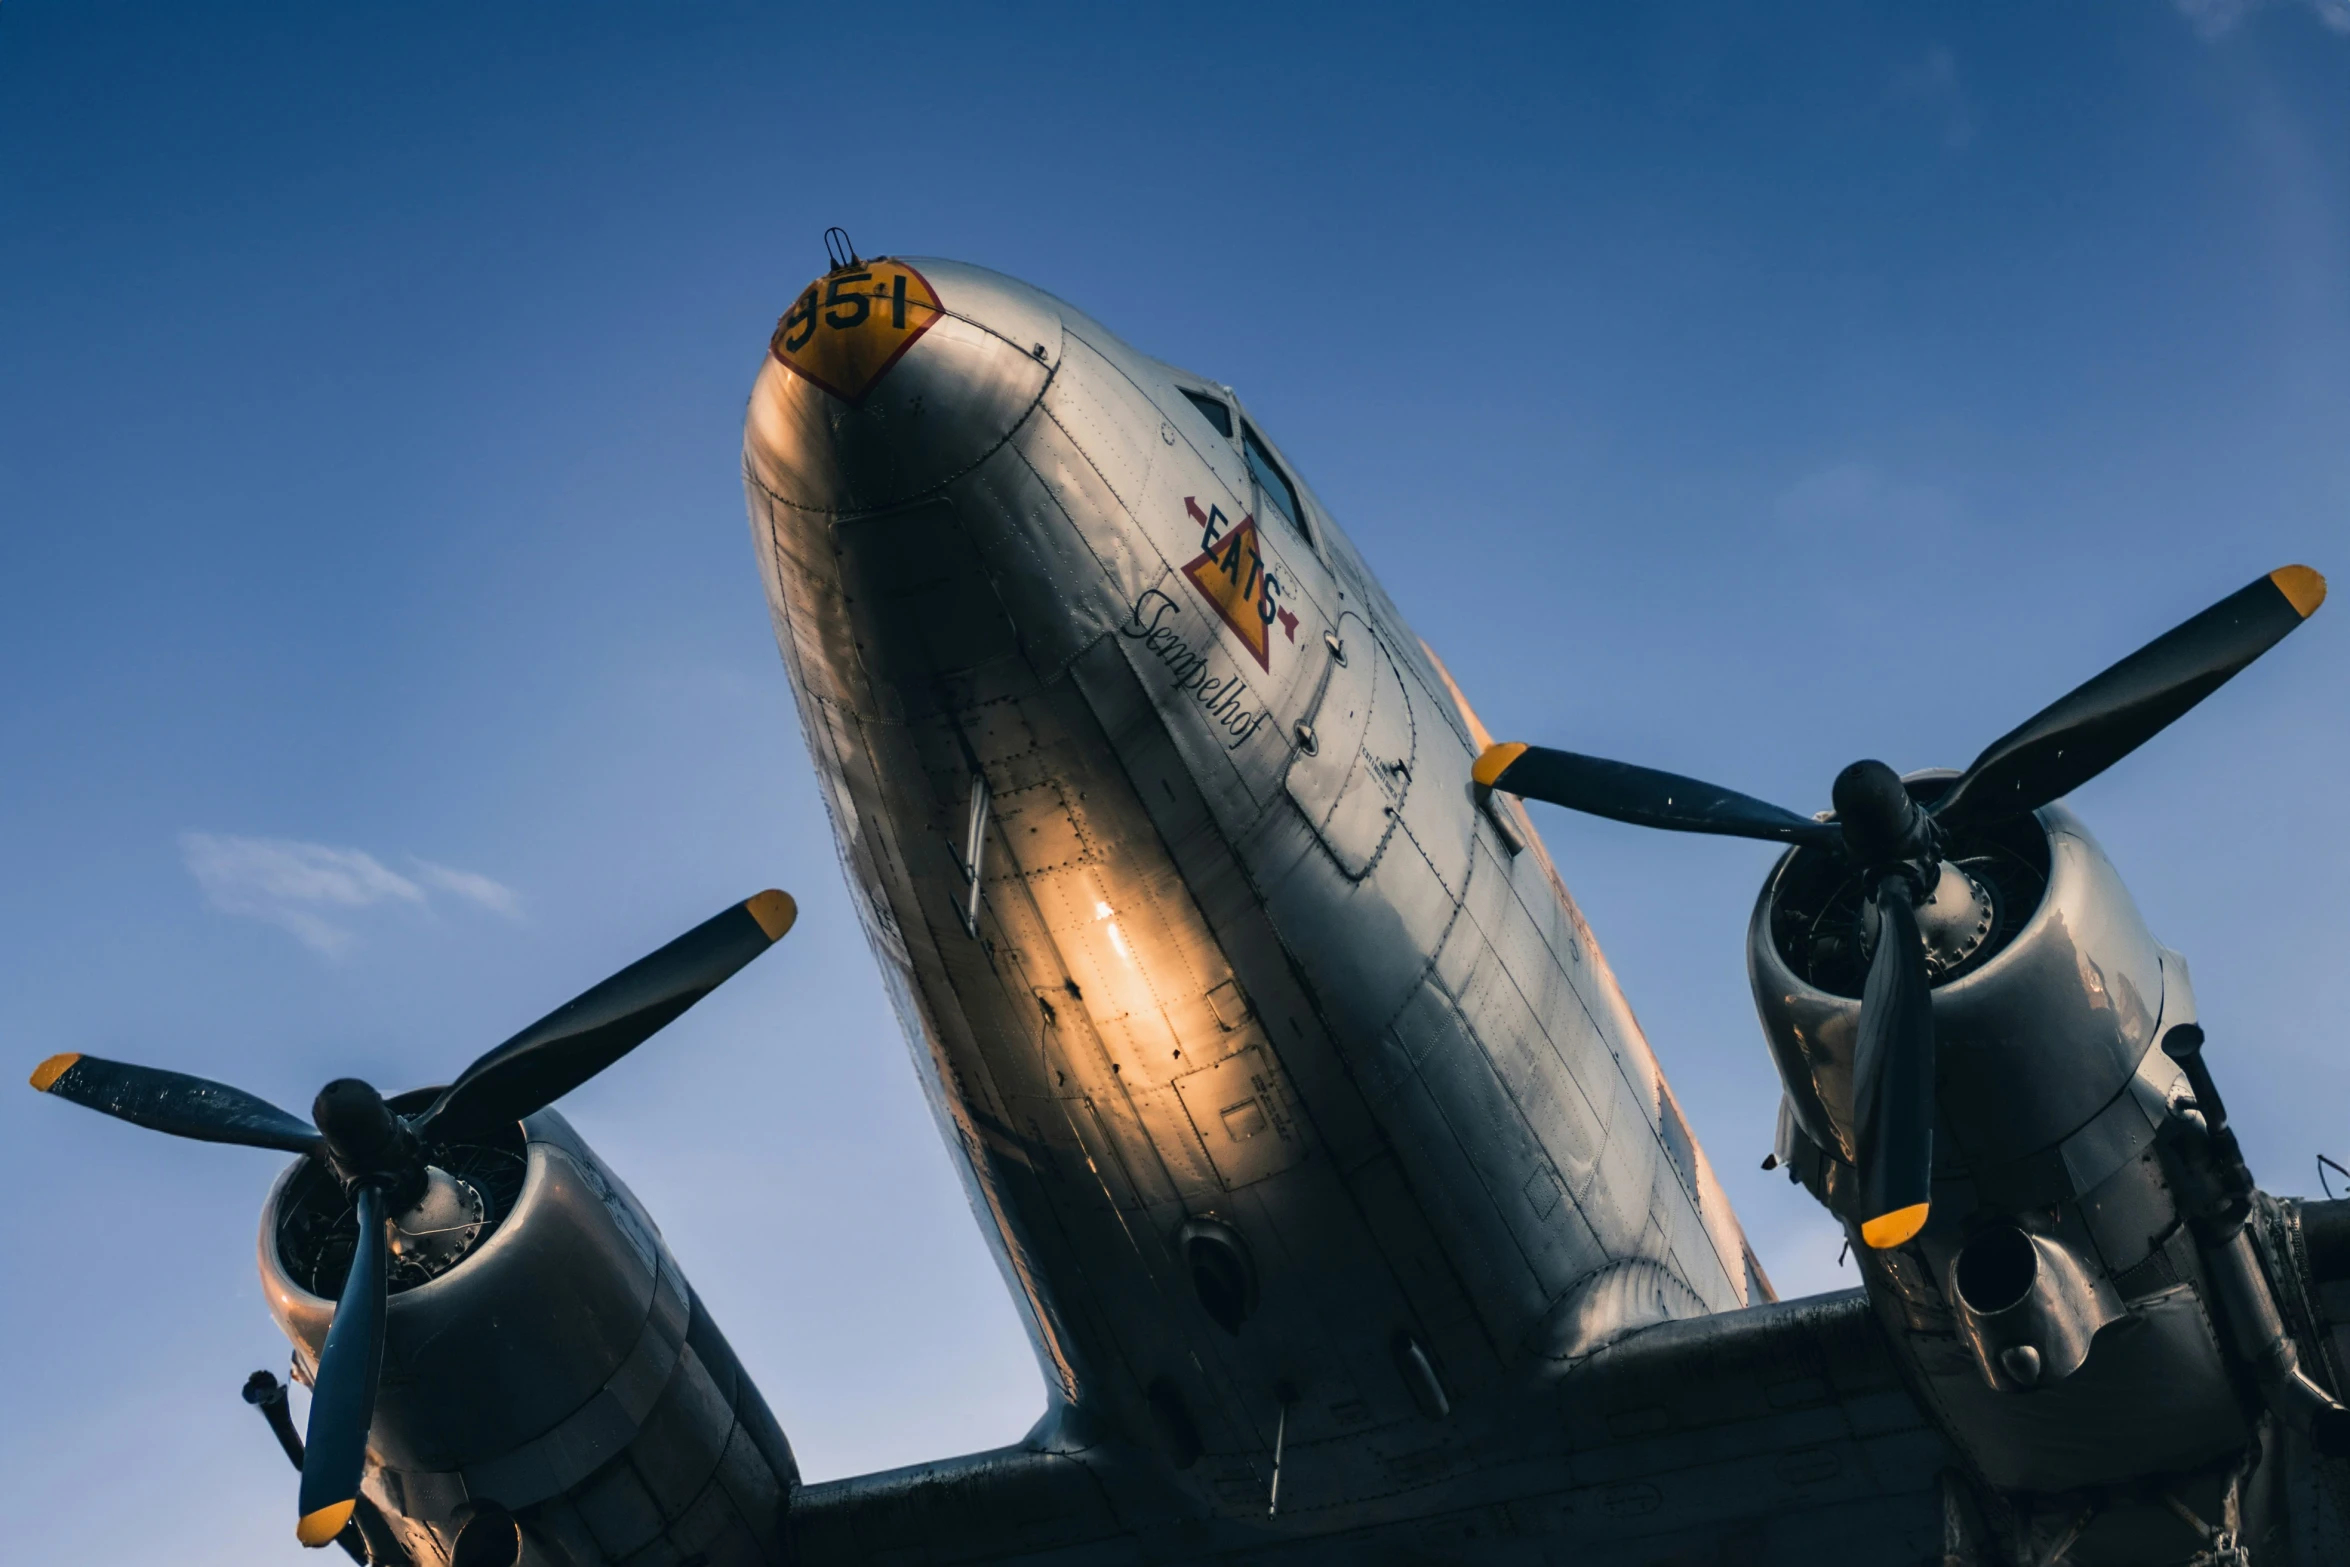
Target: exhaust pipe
2260	1335
2233	1266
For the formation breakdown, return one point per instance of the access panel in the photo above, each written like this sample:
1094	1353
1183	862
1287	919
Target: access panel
1354	760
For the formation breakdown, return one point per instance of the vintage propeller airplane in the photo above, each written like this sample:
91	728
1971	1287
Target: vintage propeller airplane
1351	1217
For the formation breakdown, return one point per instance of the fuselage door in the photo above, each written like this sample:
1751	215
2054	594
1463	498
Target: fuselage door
1354	758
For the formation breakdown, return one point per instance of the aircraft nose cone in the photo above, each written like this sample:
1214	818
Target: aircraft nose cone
888	378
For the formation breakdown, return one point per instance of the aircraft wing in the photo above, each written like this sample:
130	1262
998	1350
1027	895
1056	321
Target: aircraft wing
1779	1434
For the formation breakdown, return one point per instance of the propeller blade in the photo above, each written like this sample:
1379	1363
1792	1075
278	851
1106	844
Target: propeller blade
1893	1076
342	1399
173	1102
2099	722
587	1034
1640	795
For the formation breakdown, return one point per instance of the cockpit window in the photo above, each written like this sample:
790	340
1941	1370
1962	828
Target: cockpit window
1280	494
1217	414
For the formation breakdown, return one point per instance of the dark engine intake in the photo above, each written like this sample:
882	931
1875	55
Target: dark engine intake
555	1364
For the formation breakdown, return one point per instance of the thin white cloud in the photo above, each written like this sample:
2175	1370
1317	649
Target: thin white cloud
2215	19
309	889
472	886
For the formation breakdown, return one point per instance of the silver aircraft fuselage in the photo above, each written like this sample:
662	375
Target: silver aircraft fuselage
1297	1099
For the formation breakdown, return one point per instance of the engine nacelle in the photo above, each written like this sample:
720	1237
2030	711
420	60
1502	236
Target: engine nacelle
2056	1279
556	1364
2039	1031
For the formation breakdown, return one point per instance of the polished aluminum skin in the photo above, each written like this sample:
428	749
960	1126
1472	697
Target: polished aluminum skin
1304	988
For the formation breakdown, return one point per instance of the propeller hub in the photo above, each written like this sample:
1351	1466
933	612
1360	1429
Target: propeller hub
1882	824
367	1142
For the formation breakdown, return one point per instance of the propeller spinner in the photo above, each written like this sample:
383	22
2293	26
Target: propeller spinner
1895	842
381	1157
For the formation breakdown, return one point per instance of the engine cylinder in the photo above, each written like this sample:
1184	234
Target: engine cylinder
560	1368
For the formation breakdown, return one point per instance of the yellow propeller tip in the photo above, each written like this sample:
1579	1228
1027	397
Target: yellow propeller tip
1496	761
2303	588
321	1527
775	911
1891	1229
48	1072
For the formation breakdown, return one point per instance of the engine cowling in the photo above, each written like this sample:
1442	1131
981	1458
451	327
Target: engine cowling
555	1363
2038	1030
2054	1219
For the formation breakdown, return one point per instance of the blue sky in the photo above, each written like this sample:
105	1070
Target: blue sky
1719	389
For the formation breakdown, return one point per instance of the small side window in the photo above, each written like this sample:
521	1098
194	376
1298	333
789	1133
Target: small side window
1280	494
1214	410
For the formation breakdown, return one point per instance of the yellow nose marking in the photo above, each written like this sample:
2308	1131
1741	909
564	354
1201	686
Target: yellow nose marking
849	326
